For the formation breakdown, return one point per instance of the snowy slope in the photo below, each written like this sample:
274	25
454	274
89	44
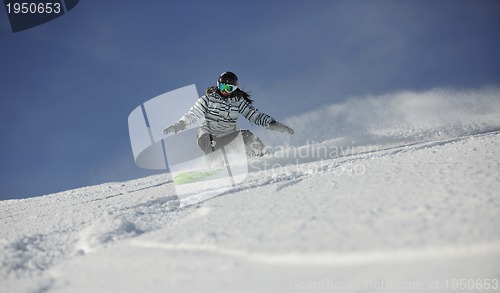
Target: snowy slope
404	214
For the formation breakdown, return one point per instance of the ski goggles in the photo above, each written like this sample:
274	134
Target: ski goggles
226	87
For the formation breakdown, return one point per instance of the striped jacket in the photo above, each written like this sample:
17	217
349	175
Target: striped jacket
221	112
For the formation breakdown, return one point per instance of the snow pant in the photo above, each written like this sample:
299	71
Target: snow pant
209	143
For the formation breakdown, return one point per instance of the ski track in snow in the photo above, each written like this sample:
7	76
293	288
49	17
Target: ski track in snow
40	234
334	259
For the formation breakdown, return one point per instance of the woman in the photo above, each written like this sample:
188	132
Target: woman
220	107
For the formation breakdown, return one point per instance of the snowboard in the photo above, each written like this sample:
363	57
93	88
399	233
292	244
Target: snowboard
196	176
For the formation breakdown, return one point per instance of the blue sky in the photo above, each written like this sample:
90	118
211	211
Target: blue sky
68	86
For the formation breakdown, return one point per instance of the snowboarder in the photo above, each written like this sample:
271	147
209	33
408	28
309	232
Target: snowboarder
220	107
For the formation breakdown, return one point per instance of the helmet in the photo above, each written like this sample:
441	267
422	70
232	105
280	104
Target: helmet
228	77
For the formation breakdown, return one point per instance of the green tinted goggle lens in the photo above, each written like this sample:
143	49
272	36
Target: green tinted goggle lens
227	87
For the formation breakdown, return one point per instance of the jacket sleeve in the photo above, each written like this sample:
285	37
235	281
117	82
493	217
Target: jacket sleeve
253	115
196	112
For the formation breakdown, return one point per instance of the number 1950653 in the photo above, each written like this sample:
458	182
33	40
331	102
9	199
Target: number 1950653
34	8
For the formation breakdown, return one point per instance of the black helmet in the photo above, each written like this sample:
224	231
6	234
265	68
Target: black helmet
228	77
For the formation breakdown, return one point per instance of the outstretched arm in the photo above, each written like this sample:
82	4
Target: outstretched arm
196	112
256	117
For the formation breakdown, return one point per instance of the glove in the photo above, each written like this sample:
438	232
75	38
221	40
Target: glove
176	127
275	125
